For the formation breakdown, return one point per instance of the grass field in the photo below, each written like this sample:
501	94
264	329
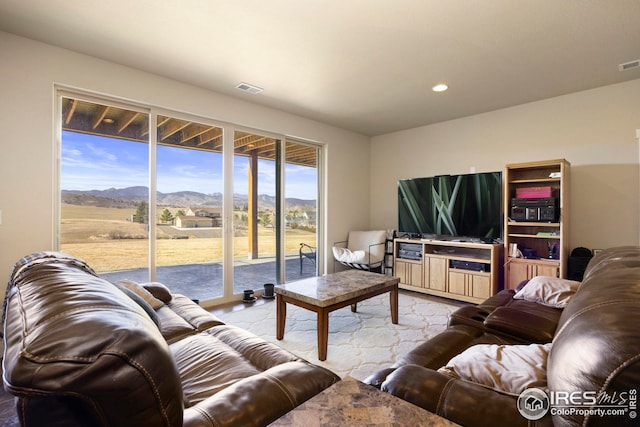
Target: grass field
88	232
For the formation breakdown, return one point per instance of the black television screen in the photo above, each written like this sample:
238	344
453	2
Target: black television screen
459	206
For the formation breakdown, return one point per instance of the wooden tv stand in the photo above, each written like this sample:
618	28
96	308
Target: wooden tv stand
465	271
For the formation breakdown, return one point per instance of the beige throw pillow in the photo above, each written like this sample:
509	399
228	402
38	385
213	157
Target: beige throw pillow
159	291
549	291
134	287
508	369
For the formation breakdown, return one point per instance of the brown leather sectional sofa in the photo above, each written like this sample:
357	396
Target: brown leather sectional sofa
593	360
81	351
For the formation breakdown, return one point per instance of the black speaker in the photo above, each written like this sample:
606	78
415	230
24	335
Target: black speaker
577	263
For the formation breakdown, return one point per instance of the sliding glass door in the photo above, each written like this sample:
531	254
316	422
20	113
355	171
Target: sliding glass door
142	197
301	210
104	193
189	221
255	211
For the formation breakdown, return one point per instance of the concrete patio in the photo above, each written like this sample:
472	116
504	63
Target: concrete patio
204	281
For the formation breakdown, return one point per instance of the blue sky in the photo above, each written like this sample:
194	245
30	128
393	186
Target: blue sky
91	162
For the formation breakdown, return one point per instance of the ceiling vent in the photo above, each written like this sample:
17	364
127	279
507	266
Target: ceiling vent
629	65
246	87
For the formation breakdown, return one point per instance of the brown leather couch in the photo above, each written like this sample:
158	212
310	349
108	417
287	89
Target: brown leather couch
595	348
82	351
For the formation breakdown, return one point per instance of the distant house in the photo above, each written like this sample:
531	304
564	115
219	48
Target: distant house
213	214
305	219
310	218
192	221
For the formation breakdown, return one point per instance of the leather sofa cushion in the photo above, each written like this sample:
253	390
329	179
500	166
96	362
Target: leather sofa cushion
208	365
195	315
517	320
214	359
503	297
522	326
474	315
471	315
262	398
236	378
172	326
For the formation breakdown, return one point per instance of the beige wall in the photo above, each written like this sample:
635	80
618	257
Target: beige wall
28	72
594	130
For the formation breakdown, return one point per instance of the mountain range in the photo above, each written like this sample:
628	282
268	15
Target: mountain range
131	196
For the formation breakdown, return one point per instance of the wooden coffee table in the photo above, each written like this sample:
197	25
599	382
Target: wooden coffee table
324	294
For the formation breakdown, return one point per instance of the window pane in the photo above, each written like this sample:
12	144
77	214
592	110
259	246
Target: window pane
254	217
189	208
104	188
301	207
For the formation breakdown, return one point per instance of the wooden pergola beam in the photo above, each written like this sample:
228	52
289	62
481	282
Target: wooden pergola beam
72	109
128	118
88	117
171	128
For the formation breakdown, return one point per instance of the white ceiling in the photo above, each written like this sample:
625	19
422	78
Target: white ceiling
363	65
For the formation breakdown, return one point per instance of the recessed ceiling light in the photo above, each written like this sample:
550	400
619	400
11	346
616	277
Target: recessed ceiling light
440	87
246	87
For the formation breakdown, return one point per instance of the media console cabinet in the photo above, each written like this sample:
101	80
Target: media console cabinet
465	271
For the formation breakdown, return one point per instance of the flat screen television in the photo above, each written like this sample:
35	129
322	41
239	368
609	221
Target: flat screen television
464	207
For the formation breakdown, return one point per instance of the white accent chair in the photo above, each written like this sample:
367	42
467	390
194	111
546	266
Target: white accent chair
363	250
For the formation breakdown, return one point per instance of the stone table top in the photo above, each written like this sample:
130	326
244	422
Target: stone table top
352	403
329	289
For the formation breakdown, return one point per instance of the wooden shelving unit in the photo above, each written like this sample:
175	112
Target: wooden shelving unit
533	234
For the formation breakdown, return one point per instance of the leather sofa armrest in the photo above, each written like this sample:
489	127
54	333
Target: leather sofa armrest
376	379
524	326
462	402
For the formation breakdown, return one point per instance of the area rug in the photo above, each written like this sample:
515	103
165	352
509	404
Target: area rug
360	343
